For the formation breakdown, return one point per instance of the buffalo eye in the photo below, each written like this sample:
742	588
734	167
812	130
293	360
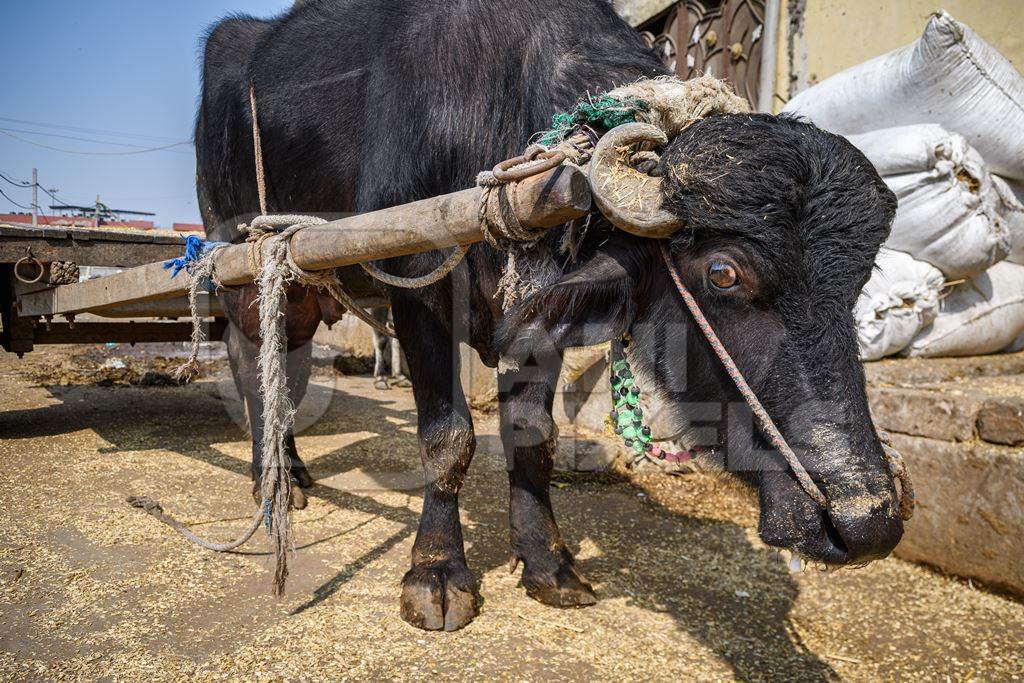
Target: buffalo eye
722	275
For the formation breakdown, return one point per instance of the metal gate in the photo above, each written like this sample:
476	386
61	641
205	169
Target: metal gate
721	38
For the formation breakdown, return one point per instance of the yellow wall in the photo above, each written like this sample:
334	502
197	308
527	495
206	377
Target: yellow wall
841	33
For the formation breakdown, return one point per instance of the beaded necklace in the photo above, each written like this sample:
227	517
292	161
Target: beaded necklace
628	417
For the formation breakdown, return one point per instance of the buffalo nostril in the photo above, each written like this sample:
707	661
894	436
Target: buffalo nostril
866	537
832	534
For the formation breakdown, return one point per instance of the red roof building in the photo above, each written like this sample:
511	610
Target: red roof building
75	221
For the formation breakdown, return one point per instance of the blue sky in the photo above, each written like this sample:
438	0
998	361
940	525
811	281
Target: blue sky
117	72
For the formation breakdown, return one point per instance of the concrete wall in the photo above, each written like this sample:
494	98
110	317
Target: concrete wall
839	34
350	337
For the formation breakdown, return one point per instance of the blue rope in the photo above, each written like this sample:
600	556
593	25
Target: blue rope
266	515
195	247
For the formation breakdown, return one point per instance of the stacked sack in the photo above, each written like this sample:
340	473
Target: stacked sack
950	279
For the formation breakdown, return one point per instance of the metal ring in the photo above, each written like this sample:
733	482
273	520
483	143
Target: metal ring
525	165
38	264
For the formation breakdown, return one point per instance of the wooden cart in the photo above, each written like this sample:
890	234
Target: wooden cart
89	248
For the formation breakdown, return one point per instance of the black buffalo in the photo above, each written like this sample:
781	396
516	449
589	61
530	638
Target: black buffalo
364	104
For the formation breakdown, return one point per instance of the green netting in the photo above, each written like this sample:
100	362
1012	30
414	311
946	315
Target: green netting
605	111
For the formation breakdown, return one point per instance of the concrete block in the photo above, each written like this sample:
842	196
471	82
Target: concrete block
937	414
1001	420
901	372
970	514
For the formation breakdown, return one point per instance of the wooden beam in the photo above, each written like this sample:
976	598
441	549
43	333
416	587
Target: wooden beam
122	333
87	246
87	253
86	234
542	201
209	306
145	283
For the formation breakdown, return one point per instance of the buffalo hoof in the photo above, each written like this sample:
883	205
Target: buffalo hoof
401	381
301	476
439	598
381	384
297	499
565	587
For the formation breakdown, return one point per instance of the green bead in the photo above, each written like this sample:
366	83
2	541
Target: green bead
625	419
630	432
619	366
638	446
646	438
632	399
627	383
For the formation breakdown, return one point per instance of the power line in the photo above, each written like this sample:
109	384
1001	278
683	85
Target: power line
104	153
73	137
53	196
20	206
95	131
16	183
24	184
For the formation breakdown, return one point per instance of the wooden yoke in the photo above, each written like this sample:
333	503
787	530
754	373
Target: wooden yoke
542	201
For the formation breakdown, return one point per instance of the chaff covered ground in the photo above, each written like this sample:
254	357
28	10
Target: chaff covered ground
94	589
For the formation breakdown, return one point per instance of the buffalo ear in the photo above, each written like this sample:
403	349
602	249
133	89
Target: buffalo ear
594	303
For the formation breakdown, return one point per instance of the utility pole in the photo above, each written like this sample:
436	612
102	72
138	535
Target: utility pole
35	198
96	214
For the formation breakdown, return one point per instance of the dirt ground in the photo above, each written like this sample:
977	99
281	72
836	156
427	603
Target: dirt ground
93	589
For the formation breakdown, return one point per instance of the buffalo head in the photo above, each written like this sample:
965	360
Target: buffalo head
773	225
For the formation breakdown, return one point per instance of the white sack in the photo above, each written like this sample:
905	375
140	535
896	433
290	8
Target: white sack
902	149
948	212
984	315
1012	212
949	76
901	297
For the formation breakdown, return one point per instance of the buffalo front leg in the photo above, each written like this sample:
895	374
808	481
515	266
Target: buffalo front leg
242	356
439	591
530	437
